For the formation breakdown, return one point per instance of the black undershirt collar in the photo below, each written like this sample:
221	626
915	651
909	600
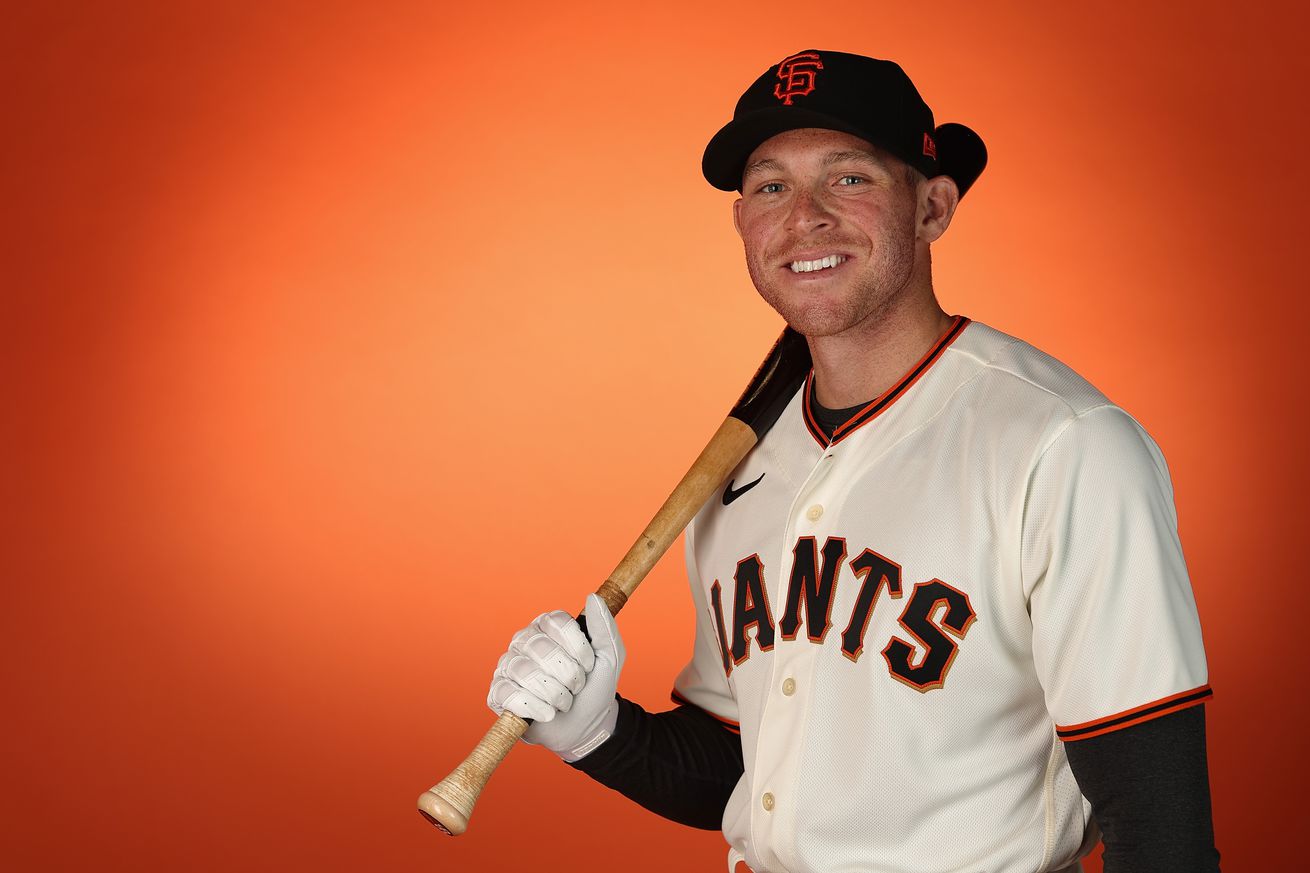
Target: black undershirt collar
831	419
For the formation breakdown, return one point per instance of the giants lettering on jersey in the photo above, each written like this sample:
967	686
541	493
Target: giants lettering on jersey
936	616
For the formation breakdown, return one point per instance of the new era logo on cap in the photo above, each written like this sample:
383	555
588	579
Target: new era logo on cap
797	73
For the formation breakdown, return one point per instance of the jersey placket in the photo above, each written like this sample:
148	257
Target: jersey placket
783	718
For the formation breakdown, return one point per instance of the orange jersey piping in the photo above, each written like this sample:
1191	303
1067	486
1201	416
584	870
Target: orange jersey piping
1136	715
880	405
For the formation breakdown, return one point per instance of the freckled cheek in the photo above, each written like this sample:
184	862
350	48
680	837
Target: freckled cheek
761	239
753	241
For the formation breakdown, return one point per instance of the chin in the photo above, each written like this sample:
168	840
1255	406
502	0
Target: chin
815	322
830	313
811	316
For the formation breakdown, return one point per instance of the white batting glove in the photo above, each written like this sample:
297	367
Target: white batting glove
551	674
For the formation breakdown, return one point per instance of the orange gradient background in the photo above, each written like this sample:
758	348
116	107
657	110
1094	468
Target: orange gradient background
343	339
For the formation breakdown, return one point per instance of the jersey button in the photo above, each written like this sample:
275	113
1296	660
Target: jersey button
814	513
767	800
789	687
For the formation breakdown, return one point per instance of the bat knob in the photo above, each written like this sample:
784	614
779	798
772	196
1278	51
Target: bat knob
436	810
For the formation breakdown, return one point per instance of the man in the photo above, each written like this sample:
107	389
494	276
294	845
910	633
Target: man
943	620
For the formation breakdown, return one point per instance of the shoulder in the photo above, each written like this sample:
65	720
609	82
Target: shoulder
1009	367
1031	401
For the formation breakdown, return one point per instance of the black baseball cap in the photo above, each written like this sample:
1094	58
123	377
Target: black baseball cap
866	97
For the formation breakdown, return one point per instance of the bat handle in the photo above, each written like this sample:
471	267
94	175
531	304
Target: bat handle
449	803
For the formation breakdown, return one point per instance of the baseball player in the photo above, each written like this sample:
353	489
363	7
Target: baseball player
943	621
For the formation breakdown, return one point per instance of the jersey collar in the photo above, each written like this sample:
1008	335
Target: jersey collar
880	405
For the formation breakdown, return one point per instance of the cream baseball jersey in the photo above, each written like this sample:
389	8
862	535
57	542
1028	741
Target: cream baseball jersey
906	622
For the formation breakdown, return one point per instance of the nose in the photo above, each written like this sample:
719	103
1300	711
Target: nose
808	212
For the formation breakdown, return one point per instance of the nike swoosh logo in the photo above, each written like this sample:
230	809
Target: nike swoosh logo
729	495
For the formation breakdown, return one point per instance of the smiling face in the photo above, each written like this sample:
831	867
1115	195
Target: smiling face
828	222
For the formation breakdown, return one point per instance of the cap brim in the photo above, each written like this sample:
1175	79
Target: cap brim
725	156
962	155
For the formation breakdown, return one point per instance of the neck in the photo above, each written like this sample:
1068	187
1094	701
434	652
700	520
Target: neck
857	365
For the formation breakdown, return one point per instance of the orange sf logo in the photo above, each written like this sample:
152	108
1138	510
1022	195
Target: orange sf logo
797	75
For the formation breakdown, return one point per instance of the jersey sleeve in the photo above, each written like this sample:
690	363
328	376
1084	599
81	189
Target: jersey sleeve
704	681
1116	637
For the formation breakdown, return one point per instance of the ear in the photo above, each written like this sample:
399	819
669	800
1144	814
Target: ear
736	215
938	198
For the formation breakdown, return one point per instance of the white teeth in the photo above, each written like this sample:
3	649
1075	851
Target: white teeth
820	264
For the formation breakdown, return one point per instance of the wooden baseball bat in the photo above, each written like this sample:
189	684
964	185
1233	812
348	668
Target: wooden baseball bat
449	803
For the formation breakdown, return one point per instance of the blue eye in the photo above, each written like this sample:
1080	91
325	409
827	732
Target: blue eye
851	180
771	188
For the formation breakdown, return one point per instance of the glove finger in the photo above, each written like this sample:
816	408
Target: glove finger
551	657
532	678
551	691
496	694
500	675
561	628
507	695
520	637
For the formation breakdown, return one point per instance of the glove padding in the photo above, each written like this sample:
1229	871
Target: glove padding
553	675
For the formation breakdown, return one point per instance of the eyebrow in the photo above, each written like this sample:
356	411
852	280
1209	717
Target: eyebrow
863	157
761	166
853	155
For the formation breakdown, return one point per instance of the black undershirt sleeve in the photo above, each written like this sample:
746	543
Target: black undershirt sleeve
1148	784
681	764
1149	787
